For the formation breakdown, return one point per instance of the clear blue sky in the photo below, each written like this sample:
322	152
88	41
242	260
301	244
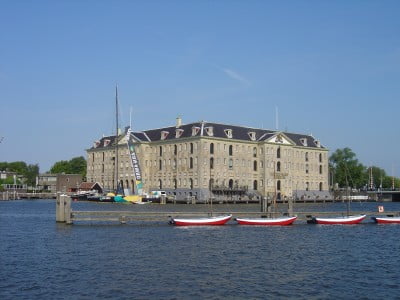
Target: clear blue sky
332	68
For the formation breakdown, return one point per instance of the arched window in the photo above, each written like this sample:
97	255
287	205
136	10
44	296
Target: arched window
320	169
320	157
160	150
191	148
230	183
278	166
306	156
320	186
160	165
307	186
278	185
212	148
306	168
212	163
191	163
278	152
255	185
230	150
175	149
175	183
191	183
254	152
160	184
255	165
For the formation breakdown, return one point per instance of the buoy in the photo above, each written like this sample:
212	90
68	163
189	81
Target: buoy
381	209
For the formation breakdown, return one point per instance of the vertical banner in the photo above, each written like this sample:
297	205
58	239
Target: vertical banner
134	163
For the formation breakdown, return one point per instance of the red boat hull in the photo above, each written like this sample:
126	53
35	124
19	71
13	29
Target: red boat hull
387	220
212	221
267	221
351	220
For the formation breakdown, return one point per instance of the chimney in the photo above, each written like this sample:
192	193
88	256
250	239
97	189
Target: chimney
178	122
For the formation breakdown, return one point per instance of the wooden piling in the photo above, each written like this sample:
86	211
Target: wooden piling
60	213
290	206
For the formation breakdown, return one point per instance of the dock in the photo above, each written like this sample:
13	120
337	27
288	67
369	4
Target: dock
65	214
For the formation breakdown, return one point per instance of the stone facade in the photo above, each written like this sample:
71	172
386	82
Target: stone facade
231	161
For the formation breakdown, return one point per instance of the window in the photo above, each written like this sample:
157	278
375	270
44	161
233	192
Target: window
255	165
191	163
306	168
228	133
254	152
252	135
306	156
255	185
160	184
278	185
210	131
320	186
230	163
175	149
320	169
320	157
278	166
175	183
191	183
230	150
160	150
212	163
307	186
160	165
212	148
278	152
191	148
164	134
231	183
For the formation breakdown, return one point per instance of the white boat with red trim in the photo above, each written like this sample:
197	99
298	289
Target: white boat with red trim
345	220
387	220
218	220
281	221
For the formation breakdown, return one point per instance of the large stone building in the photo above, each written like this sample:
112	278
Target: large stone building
230	161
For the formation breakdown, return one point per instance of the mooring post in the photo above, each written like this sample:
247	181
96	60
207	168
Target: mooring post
290	206
163	200
67	209
60	214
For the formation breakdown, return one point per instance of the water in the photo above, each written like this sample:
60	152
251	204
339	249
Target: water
44	260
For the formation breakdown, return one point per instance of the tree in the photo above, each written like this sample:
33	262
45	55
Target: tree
76	165
347	170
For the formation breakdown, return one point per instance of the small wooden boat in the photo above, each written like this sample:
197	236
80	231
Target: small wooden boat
387	220
346	220
220	220
281	221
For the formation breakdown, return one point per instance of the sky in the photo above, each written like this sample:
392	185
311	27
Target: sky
326	68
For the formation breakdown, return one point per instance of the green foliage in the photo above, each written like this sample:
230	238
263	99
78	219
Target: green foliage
346	169
76	165
21	168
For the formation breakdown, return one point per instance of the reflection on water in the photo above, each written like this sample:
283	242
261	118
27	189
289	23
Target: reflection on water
42	259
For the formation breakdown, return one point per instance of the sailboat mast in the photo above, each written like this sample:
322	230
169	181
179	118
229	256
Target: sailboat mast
116	138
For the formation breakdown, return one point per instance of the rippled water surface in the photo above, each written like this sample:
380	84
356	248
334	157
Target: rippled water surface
44	260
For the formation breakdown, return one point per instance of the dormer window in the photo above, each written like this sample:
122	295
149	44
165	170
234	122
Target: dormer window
228	133
317	143
164	134
252	135
96	144
210	131
178	133
303	141
106	143
195	130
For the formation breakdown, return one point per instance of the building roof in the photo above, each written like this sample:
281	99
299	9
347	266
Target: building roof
216	130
